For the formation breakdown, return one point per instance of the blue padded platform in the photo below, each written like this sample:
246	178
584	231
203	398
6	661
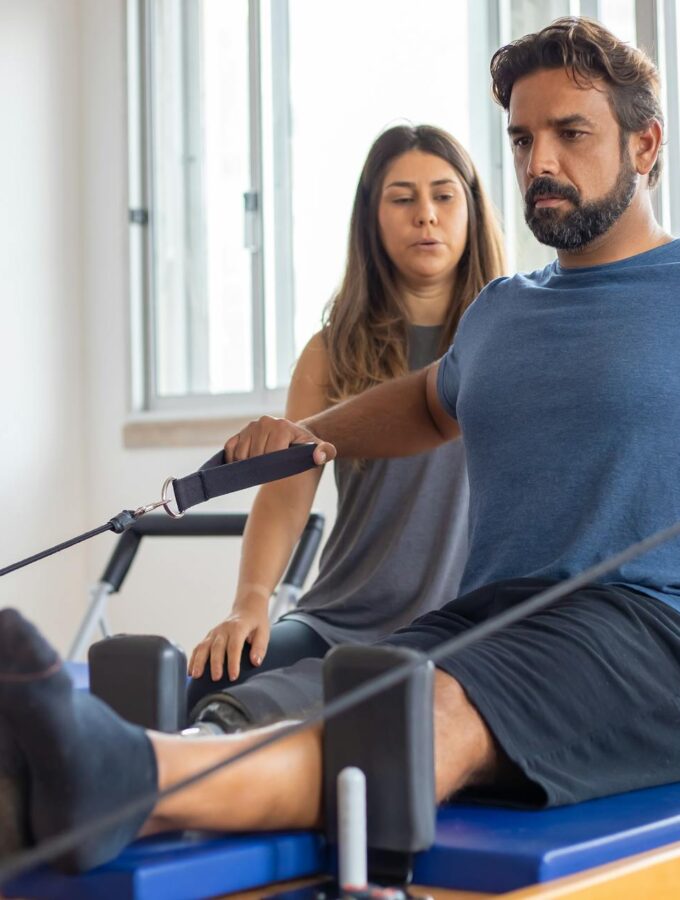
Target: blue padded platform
478	848
494	849
183	867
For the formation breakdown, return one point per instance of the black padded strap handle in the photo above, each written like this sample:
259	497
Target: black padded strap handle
215	478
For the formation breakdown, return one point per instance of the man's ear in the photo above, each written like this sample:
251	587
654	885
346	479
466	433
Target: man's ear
646	146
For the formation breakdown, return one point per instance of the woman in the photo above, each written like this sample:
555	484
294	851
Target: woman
423	242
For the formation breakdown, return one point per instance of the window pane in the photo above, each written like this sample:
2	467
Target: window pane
532	15
227	177
529	16
619	17
670	188
356	68
200	162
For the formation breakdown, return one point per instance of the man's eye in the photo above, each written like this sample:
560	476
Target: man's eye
522	141
571	134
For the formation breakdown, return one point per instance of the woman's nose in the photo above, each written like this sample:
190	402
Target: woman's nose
426	215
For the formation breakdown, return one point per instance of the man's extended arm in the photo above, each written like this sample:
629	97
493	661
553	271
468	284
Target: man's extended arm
398	418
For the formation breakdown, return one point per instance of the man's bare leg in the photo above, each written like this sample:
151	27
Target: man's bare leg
280	786
465	751
82	761
277	787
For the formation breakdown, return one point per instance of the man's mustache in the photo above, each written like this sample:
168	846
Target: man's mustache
543	186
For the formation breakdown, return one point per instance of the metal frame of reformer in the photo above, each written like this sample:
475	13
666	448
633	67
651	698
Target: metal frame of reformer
196	525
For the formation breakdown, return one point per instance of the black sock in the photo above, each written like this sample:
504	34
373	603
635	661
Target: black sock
83	760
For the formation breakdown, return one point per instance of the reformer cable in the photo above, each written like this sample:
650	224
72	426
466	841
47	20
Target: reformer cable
56	846
117	524
215	478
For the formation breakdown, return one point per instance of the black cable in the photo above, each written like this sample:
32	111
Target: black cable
56	846
119	524
76	540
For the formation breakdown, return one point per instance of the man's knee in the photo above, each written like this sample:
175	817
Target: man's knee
466	752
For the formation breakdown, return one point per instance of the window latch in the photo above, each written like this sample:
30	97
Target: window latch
251	219
138	216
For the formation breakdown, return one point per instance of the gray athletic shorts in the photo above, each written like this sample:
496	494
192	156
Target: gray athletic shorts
583	698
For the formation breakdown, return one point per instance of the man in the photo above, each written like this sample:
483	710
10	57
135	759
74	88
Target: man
566	385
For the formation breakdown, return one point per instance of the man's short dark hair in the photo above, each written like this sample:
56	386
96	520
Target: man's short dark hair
588	51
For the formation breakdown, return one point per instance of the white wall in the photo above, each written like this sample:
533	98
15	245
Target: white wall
65	329
42	451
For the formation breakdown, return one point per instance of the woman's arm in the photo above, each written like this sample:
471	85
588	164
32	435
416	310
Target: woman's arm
275	523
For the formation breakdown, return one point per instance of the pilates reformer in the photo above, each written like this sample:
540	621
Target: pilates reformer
467	848
203	525
626	847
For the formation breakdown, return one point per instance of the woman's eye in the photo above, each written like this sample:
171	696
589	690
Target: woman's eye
402	200
444	197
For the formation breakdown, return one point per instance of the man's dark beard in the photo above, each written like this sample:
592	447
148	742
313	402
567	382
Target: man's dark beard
586	221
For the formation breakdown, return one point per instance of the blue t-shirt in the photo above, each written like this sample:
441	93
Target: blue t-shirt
566	385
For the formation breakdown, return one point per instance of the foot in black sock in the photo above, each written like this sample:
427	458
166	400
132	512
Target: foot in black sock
83	760
14	830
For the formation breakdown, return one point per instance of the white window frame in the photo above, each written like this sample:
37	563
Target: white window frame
261	399
659	23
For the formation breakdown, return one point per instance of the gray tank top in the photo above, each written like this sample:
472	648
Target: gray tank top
399	542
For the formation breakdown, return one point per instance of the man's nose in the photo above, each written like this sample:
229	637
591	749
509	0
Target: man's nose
542	158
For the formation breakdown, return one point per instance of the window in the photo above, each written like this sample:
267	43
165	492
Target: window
202	247
256	119
377	64
249	122
664	36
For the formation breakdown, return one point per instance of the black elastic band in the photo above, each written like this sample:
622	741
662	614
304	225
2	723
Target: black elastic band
215	478
118	524
70	543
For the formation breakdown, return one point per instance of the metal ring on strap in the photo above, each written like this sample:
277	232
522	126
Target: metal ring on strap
168	497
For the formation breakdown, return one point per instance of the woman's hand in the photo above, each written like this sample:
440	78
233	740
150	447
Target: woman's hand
267	434
248	622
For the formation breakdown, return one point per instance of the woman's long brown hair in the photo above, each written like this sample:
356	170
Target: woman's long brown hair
365	323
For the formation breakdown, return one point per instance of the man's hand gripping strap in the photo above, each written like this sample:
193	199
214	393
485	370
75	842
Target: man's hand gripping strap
390	738
216	478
